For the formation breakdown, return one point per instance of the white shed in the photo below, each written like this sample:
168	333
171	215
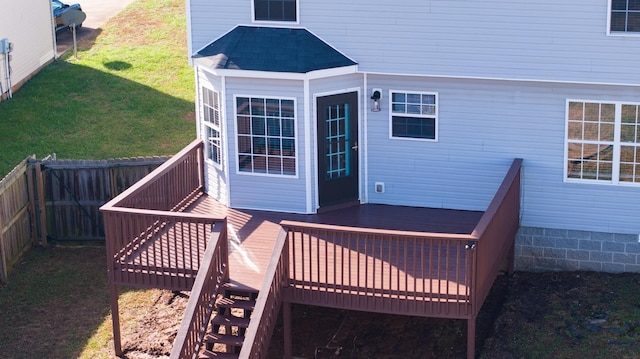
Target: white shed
27	26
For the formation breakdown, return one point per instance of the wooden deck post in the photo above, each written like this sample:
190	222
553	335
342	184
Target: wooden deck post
286	319
115	319
471	338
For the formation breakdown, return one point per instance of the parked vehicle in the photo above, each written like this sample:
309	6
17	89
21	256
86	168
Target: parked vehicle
59	8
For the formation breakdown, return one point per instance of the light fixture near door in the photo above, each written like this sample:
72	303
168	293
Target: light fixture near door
376	96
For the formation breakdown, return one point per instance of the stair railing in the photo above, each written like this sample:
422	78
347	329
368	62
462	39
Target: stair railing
213	273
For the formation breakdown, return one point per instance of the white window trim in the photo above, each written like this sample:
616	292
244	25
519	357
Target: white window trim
391	114
617	33
205	124
274	22
295	140
615	175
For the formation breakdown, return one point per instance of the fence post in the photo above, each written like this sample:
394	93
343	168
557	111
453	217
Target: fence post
3	260
41	204
33	217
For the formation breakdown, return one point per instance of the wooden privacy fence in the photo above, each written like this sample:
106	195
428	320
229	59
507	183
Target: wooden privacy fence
75	190
17	217
50	199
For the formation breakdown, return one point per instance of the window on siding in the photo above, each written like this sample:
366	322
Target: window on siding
211	121
266	135
625	16
414	115
603	142
275	10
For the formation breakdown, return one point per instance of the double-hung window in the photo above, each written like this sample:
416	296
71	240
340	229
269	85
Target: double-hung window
625	16
603	142
275	10
211	121
414	115
266	135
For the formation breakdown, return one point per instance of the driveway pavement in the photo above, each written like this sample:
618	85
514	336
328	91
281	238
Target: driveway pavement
98	12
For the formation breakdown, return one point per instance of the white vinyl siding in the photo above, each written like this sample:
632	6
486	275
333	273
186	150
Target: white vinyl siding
483	126
538	40
603	142
27	24
263	191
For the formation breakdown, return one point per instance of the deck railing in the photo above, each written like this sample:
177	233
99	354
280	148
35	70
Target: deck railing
383	271
495	234
148	242
156	249
268	303
211	276
170	186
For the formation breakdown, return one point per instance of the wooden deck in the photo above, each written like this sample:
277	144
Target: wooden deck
165	232
252	234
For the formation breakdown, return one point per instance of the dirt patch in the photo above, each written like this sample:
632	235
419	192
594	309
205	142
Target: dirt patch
528	315
151	335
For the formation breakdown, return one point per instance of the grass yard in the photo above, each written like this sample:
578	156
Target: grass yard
56	305
129	93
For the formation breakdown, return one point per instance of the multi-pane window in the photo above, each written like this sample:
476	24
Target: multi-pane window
603	142
211	120
275	10
625	16
414	115
266	135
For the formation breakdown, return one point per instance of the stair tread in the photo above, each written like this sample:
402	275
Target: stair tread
235	303
224	339
235	286
230	320
207	354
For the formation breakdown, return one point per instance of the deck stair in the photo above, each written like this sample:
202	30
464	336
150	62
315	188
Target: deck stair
233	313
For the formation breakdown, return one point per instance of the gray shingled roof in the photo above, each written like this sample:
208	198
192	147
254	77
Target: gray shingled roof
272	49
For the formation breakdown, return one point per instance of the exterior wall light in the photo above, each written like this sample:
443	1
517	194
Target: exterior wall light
376	96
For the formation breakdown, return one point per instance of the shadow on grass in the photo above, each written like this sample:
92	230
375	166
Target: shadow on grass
85	38
79	112
54	303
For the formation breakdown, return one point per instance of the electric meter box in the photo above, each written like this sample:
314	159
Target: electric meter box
4	46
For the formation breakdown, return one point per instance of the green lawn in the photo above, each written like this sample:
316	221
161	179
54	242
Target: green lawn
128	93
